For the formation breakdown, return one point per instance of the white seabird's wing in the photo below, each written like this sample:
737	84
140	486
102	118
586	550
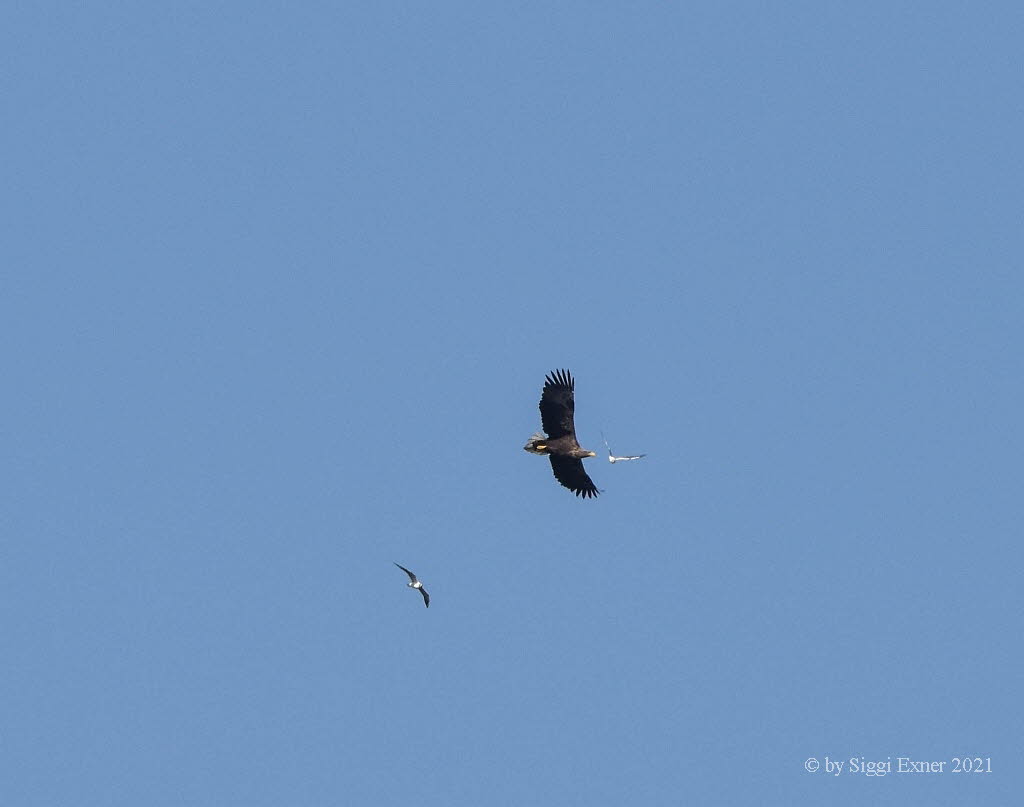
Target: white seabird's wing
412	577
613	458
426	597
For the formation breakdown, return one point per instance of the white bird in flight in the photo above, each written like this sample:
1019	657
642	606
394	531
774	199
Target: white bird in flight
414	582
613	458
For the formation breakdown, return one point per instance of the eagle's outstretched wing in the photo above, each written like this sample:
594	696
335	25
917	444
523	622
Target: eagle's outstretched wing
557	405
570	473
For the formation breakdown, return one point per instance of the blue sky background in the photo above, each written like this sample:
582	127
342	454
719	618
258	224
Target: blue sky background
281	283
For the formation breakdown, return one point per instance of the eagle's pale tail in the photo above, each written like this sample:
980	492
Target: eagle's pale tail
536	444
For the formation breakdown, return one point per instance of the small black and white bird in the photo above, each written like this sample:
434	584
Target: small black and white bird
613	458
414	582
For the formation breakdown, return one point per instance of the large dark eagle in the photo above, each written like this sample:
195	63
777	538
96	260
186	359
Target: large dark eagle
556	416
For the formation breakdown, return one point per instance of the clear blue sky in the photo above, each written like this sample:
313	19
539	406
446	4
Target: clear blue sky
281	282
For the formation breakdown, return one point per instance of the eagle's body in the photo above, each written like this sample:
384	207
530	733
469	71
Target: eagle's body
557	408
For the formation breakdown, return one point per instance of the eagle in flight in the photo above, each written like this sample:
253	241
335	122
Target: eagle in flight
557	406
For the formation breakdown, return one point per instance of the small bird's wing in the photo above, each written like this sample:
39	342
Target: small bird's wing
412	577
557	405
634	457
426	597
610	457
570	473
